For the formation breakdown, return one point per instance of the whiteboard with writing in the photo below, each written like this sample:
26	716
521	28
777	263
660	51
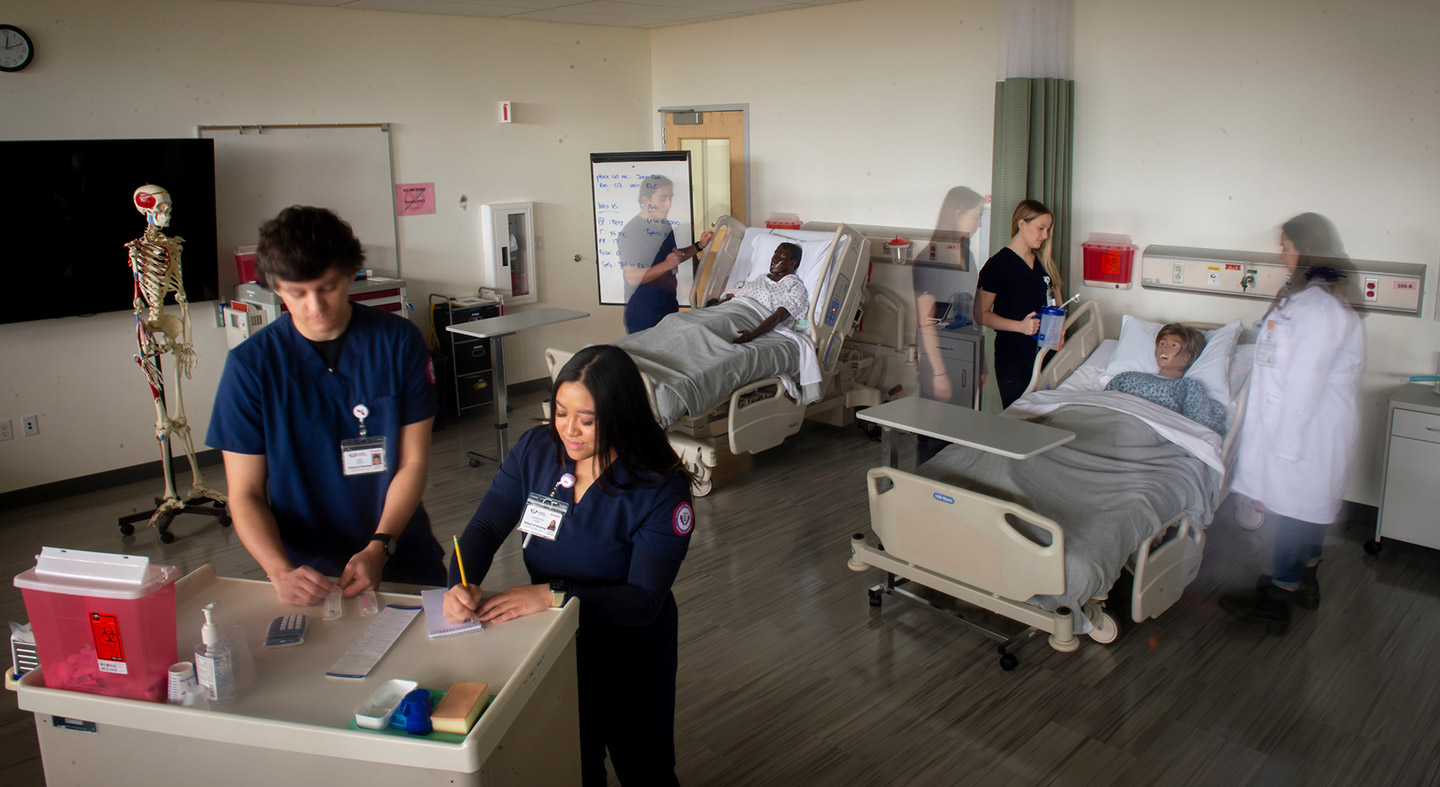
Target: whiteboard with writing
640	199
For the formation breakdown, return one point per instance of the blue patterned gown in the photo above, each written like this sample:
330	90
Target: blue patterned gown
1185	396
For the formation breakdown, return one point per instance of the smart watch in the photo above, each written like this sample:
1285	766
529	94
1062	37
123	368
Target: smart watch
558	588
386	540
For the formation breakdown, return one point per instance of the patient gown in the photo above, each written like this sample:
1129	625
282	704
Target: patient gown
1185	396
789	293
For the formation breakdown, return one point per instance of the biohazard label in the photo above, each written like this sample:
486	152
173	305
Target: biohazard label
109	651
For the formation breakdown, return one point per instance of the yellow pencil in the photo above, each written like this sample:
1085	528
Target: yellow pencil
460	562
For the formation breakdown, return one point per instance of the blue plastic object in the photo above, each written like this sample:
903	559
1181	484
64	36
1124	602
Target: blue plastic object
415	712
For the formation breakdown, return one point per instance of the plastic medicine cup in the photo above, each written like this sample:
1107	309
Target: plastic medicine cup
182	679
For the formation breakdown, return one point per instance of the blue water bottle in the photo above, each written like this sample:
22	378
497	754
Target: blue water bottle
1052	327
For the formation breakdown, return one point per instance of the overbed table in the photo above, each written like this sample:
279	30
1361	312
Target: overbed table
294	725
496	329
990	432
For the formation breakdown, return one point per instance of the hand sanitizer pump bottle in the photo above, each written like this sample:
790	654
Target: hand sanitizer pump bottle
214	667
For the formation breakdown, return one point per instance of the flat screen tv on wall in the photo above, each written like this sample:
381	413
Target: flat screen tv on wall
69	215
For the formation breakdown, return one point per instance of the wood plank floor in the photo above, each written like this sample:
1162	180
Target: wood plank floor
788	676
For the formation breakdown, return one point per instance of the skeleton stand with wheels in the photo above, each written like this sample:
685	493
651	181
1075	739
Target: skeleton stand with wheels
155	265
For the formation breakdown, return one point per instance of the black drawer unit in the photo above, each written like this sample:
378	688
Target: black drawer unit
470	373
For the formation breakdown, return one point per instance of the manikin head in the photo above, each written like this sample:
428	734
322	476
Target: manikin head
154	202
1176	347
784	261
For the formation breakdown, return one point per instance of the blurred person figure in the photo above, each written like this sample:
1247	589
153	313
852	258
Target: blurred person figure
1302	420
959	215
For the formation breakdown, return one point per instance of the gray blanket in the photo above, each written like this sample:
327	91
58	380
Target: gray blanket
694	364
1110	489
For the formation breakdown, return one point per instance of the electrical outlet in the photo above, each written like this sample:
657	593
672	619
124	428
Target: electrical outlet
539	242
31	425
1177	273
1371	291
6	432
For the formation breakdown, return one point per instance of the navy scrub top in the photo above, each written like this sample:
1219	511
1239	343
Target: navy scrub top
648	303
619	552
277	398
1019	290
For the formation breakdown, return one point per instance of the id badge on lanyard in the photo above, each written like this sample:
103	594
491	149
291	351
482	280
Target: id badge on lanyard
1265	345
363	455
545	513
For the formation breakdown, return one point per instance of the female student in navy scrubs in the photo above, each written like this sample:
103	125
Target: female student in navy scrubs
308	500
649	258
1013	287
625	530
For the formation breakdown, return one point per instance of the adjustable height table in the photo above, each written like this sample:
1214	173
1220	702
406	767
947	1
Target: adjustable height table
496	329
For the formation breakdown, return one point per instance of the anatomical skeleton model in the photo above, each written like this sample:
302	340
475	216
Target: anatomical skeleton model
155	263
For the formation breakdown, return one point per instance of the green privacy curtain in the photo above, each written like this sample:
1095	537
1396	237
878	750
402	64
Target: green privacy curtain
1034	145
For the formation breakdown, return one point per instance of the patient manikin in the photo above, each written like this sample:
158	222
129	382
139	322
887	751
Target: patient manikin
1176	347
779	292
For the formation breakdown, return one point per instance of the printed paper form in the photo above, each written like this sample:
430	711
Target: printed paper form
374	643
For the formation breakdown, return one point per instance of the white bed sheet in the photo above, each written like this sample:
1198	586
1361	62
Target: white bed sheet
1083	386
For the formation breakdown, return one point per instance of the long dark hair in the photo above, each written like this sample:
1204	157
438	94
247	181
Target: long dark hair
624	423
1316	240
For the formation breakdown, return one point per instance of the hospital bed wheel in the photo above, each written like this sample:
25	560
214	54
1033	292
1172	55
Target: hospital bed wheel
1009	662
702	487
166	536
127	530
1371	547
1107	629
225	520
876	597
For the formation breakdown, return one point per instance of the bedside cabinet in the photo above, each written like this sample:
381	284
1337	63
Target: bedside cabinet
960	352
1410	503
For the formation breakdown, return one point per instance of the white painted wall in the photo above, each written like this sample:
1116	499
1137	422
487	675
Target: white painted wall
864	112
160	68
1196	124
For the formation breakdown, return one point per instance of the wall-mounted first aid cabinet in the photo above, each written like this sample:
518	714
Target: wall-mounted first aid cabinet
508	253
1395	287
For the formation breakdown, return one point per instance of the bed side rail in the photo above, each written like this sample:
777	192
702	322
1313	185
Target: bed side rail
1164	566
836	316
885	323
762	416
716	261
964	535
1084	330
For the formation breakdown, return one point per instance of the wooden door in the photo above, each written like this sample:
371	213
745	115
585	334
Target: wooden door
717	163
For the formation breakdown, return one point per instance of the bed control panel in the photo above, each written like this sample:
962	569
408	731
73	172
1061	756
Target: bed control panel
837	298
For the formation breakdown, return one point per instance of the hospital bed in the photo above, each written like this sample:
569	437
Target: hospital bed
755	395
980	544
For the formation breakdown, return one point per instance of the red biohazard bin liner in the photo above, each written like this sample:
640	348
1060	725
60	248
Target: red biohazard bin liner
103	623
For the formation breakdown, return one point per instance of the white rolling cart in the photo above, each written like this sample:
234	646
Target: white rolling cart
1410	503
295	726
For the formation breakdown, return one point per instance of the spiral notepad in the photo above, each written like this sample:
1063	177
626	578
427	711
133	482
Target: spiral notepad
435	622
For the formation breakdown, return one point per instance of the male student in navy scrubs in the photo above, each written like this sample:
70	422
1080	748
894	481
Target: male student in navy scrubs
323	418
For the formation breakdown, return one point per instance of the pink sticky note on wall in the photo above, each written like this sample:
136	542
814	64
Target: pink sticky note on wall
414	199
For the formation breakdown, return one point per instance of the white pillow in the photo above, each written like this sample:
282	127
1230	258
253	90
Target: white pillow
1136	353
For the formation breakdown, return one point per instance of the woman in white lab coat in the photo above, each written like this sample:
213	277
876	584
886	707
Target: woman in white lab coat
1301	422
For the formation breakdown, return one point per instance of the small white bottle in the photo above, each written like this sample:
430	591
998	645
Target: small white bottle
214	667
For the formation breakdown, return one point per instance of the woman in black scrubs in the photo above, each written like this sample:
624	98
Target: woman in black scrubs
1013	288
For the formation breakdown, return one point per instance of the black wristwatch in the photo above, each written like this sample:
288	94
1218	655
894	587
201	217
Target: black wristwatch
386	540
558	589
